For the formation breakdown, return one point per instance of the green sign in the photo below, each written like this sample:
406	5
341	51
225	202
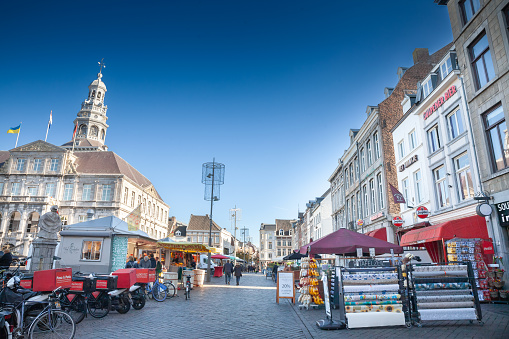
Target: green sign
118	253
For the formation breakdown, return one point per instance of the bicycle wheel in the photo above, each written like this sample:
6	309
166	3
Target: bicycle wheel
100	307
123	305
52	324
159	292
170	289
138	302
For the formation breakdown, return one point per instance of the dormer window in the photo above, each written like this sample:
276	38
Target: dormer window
427	88
281	232
178	233
445	68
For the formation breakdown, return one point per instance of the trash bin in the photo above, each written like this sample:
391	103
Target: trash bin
199	277
171	276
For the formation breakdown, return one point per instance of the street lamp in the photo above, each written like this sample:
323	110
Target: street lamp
212	177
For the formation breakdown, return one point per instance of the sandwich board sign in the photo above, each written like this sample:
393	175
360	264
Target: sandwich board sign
285	286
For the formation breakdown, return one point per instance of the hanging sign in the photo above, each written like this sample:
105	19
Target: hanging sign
502	210
359	252
422	212
397	221
484	209
360	222
372	252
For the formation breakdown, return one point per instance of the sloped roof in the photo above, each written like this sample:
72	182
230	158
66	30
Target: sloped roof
111	224
84	143
283	224
201	223
4	156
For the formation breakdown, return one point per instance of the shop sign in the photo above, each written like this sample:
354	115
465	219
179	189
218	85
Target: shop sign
360	222
484	209
408	163
487	247
397	221
422	212
502	209
440	101
376	216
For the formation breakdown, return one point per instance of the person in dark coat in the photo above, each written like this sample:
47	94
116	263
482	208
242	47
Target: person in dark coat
153	262
131	263
6	259
145	262
274	271
228	270
237	271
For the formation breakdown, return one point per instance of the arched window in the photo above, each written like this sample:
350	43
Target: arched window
83	130
32	222
290	232
281	232
102	134
93	94
98	95
94	131
14	221
178	233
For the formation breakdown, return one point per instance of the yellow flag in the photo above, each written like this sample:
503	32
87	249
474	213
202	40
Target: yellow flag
133	219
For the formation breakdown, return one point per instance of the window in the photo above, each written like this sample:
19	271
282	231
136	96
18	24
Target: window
377	145
480	59
445	68
279	243
404	185
356	161
20	165
498	138
441	187
50	190
418	185
82	218
365	193
289	243
91	250
199	238
133	198
16	188
1	188
455	122
363	161
368	151
412	141
464	177
348	209
351	174
54	165
427	88
434	140
270	245
64	220
37	165
468	9
401	149
346	179
270	255
278	252
380	190
106	193
217	240
68	192
359	208
373	195
32	191
354	214
126	195
87	192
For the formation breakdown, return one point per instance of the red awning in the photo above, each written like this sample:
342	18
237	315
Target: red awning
471	227
380	233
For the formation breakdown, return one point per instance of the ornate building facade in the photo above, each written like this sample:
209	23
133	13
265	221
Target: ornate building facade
84	179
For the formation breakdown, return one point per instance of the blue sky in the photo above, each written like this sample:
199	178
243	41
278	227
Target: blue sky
269	88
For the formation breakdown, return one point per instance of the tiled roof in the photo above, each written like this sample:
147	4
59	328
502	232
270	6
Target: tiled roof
201	223
84	143
285	225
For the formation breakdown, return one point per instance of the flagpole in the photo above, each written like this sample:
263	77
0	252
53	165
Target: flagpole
47	128
18	135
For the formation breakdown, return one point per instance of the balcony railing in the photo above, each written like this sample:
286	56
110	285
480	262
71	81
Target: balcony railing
25	198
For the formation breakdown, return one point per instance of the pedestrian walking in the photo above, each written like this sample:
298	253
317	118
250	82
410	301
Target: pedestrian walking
237	271
145	262
153	262
274	271
131	263
227	270
159	267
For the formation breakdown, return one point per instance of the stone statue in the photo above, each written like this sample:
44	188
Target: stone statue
49	225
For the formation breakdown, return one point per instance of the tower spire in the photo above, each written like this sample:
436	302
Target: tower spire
101	66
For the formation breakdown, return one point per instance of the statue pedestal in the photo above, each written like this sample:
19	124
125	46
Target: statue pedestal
43	251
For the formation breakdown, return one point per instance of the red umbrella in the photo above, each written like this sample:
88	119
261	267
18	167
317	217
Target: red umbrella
344	241
219	256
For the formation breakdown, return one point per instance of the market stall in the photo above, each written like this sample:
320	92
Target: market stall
218	270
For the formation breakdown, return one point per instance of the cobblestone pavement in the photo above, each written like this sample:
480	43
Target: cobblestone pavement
250	311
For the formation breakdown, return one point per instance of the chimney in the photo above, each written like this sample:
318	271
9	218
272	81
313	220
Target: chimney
420	55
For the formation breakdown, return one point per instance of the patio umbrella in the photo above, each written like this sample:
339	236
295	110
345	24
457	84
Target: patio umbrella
219	256
295	256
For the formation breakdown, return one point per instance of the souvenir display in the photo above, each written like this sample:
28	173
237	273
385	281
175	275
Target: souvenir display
309	281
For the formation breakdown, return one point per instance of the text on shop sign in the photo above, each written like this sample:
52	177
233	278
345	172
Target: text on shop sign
440	101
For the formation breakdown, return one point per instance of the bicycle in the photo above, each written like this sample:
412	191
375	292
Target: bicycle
51	320
171	290
188	289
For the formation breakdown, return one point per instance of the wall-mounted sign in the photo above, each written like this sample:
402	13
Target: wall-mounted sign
484	209
397	221
408	163
376	216
360	222
487	247
502	209
359	252
372	252
422	212
440	101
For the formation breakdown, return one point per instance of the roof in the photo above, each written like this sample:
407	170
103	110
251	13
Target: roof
84	143
283	224
111	224
201	223
265	226
4	156
107	162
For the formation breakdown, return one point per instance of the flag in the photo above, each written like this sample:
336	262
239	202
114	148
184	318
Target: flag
133	219
398	197
50	119
74	132
14	130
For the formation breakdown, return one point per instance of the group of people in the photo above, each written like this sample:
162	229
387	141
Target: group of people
145	261
229	269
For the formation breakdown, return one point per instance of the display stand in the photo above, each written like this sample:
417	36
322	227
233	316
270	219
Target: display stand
373	297
328	323
445	292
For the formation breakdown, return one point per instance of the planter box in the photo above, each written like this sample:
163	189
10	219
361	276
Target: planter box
106	282
126	277
49	280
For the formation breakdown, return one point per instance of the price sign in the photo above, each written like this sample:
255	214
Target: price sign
359	252
285	286
372	252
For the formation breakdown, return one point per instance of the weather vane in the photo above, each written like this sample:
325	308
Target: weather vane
101	65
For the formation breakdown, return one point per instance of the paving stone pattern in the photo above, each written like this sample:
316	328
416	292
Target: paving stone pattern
250	311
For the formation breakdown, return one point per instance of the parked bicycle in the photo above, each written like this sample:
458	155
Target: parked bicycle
188	287
157	290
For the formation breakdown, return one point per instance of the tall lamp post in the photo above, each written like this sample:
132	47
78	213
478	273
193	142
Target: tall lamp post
213	178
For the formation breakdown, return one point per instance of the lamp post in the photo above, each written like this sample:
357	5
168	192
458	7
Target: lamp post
212	177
